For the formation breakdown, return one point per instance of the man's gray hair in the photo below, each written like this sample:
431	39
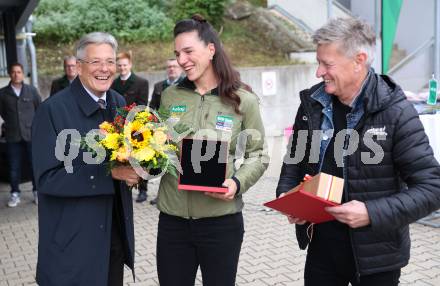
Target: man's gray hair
353	35
95	38
68	58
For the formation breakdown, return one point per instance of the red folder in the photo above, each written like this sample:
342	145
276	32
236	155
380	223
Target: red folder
303	205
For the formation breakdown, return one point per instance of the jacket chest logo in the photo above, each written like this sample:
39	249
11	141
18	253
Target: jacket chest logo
224	123
176	111
377	131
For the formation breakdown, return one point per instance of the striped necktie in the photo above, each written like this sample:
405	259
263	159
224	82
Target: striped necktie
101	103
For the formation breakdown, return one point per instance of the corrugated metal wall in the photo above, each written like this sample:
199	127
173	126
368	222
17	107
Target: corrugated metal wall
3	62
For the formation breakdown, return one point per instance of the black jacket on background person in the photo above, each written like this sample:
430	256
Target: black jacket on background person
59	84
135	89
157	93
402	188
159	87
18	111
75	209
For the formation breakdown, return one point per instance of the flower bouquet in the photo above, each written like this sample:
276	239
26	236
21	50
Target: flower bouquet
136	137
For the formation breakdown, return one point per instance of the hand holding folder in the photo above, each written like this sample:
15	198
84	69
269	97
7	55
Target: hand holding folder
353	213
291	219
309	200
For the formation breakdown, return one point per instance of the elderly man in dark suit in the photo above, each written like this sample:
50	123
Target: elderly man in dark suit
70	73
85	213
18	103
135	90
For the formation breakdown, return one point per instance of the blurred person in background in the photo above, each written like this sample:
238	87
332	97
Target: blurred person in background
70	73
175	75
135	90
18	104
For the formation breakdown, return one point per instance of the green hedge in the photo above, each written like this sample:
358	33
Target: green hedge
130	20
212	10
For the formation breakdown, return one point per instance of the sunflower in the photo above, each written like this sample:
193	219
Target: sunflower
111	141
137	134
106	127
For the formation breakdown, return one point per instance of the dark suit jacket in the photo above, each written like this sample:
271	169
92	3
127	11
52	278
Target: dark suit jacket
75	209
59	84
157	93
18	112
159	87
135	89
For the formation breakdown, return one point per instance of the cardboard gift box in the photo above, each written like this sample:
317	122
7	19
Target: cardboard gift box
308	200
324	186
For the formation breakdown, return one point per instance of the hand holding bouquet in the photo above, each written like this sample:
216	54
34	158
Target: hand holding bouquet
138	139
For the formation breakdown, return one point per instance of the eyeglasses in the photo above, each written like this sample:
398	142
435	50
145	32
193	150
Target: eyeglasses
98	63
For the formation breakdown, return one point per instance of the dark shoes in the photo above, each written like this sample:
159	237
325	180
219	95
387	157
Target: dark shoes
142	196
153	201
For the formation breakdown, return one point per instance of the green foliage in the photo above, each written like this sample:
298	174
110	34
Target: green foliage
128	20
134	20
259	3
212	10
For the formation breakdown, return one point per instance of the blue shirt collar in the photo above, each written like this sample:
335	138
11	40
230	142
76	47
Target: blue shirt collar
325	99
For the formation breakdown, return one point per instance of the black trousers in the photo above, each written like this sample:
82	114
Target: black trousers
212	243
143	185
117	246
331	263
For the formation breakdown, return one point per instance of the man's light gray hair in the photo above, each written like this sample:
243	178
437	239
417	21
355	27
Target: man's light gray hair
95	38
69	58
353	36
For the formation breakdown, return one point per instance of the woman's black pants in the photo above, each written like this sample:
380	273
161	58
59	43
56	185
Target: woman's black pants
183	245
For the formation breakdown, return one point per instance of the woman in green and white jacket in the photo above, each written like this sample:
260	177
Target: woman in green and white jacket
201	228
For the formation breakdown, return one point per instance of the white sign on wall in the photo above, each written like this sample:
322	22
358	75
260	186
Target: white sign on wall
269	83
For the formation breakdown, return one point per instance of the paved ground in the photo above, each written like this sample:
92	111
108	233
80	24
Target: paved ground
270	255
